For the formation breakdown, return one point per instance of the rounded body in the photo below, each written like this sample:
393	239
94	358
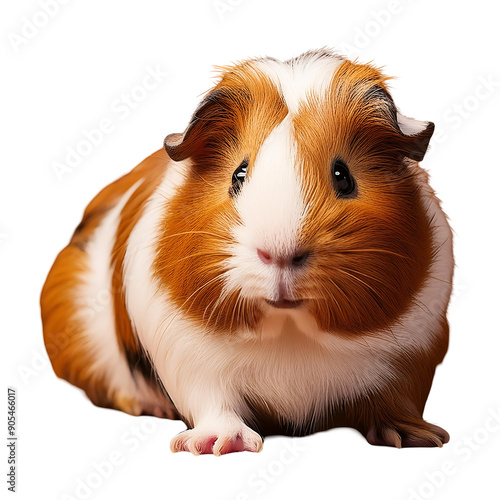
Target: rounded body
283	267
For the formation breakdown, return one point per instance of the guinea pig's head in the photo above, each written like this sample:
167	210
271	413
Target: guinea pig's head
300	194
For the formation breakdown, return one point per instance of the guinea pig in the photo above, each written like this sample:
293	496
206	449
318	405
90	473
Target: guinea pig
281	267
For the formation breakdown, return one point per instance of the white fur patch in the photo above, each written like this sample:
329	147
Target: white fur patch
410	126
299	77
272	209
431	302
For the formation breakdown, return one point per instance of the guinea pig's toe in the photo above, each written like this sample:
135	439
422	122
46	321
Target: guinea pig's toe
244	439
425	435
440	432
197	444
228	444
391	437
384	436
179	442
201	445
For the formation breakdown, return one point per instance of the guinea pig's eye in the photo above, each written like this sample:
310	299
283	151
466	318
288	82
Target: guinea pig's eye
343	182
238	178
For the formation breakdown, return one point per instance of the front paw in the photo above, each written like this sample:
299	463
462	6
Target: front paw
414	433
217	440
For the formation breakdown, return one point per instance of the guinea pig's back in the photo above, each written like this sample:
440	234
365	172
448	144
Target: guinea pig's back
86	328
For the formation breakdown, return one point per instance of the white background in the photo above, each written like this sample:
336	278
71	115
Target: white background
65	76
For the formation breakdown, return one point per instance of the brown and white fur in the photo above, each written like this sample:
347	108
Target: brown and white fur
210	320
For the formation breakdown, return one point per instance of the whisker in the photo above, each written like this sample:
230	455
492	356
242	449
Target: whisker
238	302
170	264
361	281
365	275
209	305
374	250
402	350
221	297
338	287
220	236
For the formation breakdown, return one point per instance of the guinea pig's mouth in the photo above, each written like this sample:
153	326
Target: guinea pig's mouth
284	303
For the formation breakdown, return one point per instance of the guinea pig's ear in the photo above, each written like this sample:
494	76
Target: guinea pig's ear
413	136
417	135
180	146
213	120
173	146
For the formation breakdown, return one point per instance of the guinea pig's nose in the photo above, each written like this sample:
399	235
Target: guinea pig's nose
296	260
264	256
